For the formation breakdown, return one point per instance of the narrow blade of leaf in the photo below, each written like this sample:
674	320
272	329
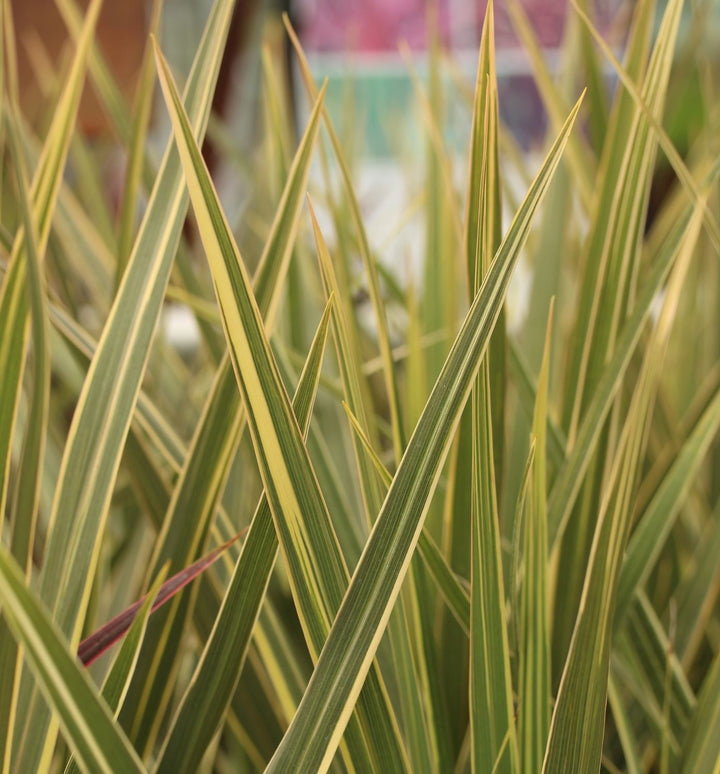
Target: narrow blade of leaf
105	407
216	677
534	689
95	739
317	571
575	741
117	681
106	636
317	728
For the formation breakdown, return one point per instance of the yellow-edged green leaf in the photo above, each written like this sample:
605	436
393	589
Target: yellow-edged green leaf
612	264
354	387
656	522
622	148
702	747
38	206
88	727
534	686
43	191
317	728
24	512
575	741
398	433
409	664
490	691
218	671
655	675
27	493
526	386
673	156
625	732
141	120
316	569
580	159
105	407
454	593
104	81
696	594
202	478
570	476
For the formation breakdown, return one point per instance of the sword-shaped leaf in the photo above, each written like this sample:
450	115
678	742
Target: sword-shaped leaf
24	513
104	410
534	688
317	728
106	636
575	741
701	753
492	722
317	571
43	192
117	681
88	726
202	478
215	680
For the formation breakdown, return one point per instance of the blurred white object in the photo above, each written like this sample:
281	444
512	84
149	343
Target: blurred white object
181	329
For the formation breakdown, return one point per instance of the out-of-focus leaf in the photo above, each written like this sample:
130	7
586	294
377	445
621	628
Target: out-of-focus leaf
702	746
575	741
534	690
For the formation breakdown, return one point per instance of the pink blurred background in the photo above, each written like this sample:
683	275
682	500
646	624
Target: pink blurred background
377	25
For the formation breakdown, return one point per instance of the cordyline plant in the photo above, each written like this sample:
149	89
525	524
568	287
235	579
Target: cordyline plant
498	544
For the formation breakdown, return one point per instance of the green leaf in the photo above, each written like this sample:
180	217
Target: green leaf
671	152
655	523
625	731
118	679
534	684
43	191
526	386
644	646
140	123
207	464
23	518
103	80
317	728
104	410
27	494
580	160
491	699
571	474
216	676
398	434
317	571
701	751
409	659
611	259
37	207
454	593
87	724
576	732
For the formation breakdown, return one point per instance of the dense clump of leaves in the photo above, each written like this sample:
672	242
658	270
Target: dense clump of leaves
447	563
